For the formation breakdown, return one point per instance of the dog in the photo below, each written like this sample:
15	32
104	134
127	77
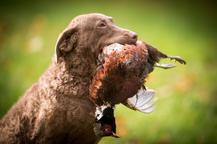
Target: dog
57	108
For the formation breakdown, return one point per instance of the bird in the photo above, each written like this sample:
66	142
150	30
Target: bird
106	125
120	78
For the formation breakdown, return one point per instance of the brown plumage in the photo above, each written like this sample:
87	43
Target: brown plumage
123	72
120	76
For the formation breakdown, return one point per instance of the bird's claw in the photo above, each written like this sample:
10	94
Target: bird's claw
165	66
178	59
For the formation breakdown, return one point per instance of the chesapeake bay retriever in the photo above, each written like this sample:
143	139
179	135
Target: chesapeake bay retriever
57	109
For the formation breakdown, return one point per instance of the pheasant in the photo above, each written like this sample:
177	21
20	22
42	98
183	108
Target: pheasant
120	78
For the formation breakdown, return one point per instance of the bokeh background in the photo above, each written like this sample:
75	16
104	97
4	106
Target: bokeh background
186	109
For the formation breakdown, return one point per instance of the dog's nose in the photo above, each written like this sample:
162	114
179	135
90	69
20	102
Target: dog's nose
134	35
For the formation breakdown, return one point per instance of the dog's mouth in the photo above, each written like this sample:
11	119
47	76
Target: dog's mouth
110	48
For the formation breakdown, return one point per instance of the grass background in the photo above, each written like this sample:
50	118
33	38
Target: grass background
186	110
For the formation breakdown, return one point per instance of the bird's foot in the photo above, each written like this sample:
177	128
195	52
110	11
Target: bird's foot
168	66
165	66
178	59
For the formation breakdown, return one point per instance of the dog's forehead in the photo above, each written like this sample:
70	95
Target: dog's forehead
99	16
88	18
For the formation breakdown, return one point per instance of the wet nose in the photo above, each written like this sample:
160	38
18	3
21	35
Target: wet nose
133	35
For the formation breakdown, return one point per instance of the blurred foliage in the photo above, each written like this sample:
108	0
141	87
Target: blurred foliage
186	110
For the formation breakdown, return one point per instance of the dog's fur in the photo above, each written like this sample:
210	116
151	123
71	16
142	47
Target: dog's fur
57	108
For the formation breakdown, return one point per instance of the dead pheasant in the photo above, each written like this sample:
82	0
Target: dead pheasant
121	75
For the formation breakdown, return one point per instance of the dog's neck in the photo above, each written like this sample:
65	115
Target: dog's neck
71	78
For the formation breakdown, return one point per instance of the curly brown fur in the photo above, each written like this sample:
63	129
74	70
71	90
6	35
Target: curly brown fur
57	108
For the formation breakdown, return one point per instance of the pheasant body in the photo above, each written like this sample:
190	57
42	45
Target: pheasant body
121	74
120	78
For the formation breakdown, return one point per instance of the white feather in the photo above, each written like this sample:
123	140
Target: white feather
149	110
113	47
143	101
99	110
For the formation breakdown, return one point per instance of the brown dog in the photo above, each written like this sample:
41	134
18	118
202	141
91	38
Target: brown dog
57	108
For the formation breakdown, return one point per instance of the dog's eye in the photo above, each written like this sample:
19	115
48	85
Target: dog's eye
102	24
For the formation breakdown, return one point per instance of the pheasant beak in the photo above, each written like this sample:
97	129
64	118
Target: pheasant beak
115	135
107	130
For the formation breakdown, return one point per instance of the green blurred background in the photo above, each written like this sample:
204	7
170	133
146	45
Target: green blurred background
186	109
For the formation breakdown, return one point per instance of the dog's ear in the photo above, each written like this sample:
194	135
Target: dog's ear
66	42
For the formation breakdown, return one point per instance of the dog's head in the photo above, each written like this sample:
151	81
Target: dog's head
91	33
